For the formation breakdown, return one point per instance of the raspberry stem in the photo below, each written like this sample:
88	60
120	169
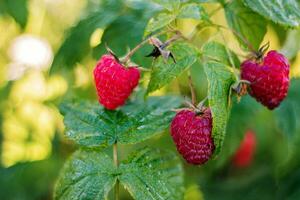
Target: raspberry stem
116	162
130	53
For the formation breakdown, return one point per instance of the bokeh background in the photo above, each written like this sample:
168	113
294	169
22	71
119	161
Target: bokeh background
40	66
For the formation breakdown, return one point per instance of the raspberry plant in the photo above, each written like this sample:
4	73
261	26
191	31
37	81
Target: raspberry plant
149	173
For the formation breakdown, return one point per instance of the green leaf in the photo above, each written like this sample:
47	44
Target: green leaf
152	174
164	72
193	11
77	43
18	9
208	1
170	5
220	78
137	21
86	175
159	22
284	12
290	48
218	52
90	125
249	26
288	113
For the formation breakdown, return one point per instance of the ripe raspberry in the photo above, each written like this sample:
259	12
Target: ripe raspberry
114	82
192	135
244	155
269	80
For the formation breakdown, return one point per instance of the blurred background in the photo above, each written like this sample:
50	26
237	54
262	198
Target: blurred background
48	49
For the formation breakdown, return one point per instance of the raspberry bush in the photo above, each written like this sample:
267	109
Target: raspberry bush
128	114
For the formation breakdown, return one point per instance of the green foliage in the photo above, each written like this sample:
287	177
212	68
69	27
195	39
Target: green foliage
247	24
17	9
146	174
219	53
77	43
284	12
131	26
90	125
192	11
29	180
290	47
170	5
220	79
160	21
208	1
165	71
288	114
87	175
152	174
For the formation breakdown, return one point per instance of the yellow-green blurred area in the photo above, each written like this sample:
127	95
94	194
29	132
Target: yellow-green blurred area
32	145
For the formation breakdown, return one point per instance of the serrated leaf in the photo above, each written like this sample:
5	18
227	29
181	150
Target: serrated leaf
220	79
152	175
77	42
288	113
217	52
159	22
193	11
86	175
248	25
90	125
284	12
18	9
164	72
170	5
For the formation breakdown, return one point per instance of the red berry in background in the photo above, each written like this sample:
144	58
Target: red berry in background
114	82
269	79
191	133
244	154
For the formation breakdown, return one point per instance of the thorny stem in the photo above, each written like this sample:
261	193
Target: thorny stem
134	50
130	53
116	162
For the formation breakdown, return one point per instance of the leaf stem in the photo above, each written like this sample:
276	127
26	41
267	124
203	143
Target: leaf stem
116	162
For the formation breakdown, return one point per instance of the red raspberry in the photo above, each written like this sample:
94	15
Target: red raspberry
244	155
269	80
114	82
192	135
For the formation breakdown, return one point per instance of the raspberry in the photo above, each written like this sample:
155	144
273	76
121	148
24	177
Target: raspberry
114	82
244	155
269	80
192	135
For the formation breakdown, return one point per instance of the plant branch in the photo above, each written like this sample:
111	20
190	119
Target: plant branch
130	53
116	162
